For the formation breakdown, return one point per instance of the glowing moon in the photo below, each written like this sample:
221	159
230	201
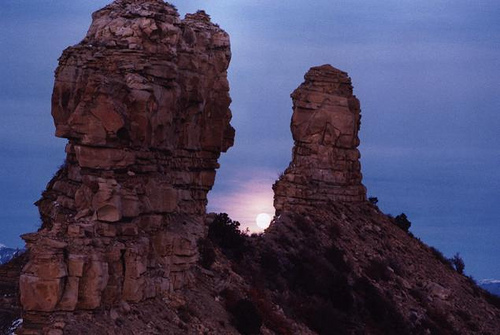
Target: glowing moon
263	220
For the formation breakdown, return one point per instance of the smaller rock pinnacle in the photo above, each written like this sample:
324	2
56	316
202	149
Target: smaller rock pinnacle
325	124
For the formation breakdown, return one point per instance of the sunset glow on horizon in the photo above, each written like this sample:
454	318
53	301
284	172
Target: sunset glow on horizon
247	200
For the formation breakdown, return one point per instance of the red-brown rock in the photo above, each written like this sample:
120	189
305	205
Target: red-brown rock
144	102
325	123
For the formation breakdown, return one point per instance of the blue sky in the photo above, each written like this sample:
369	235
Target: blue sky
426	73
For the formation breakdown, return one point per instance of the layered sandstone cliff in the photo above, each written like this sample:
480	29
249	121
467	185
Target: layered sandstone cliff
144	102
325	123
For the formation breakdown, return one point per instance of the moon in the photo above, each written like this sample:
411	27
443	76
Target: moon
263	220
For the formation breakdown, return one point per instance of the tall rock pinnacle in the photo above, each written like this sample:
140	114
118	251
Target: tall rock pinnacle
325	123
144	102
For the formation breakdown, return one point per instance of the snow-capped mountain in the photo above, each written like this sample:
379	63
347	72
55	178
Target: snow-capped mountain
7	253
491	285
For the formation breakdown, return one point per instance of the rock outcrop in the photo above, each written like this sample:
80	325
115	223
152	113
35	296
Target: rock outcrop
144	102
325	124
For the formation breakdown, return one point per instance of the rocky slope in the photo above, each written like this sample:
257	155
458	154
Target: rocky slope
126	247
349	269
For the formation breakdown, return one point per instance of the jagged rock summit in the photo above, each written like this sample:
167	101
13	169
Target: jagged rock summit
325	123
144	102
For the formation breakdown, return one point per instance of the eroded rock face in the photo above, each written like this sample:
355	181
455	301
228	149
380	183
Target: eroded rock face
144	102
325	123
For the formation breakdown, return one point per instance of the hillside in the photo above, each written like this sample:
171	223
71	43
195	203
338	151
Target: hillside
347	270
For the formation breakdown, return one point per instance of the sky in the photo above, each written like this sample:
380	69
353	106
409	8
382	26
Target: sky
426	73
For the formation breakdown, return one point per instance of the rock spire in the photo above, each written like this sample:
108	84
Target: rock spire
325	164
144	102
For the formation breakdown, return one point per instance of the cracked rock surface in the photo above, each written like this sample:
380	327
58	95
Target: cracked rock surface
144	103
325	164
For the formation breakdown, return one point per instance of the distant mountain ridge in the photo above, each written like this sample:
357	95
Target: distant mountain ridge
491	285
7	253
